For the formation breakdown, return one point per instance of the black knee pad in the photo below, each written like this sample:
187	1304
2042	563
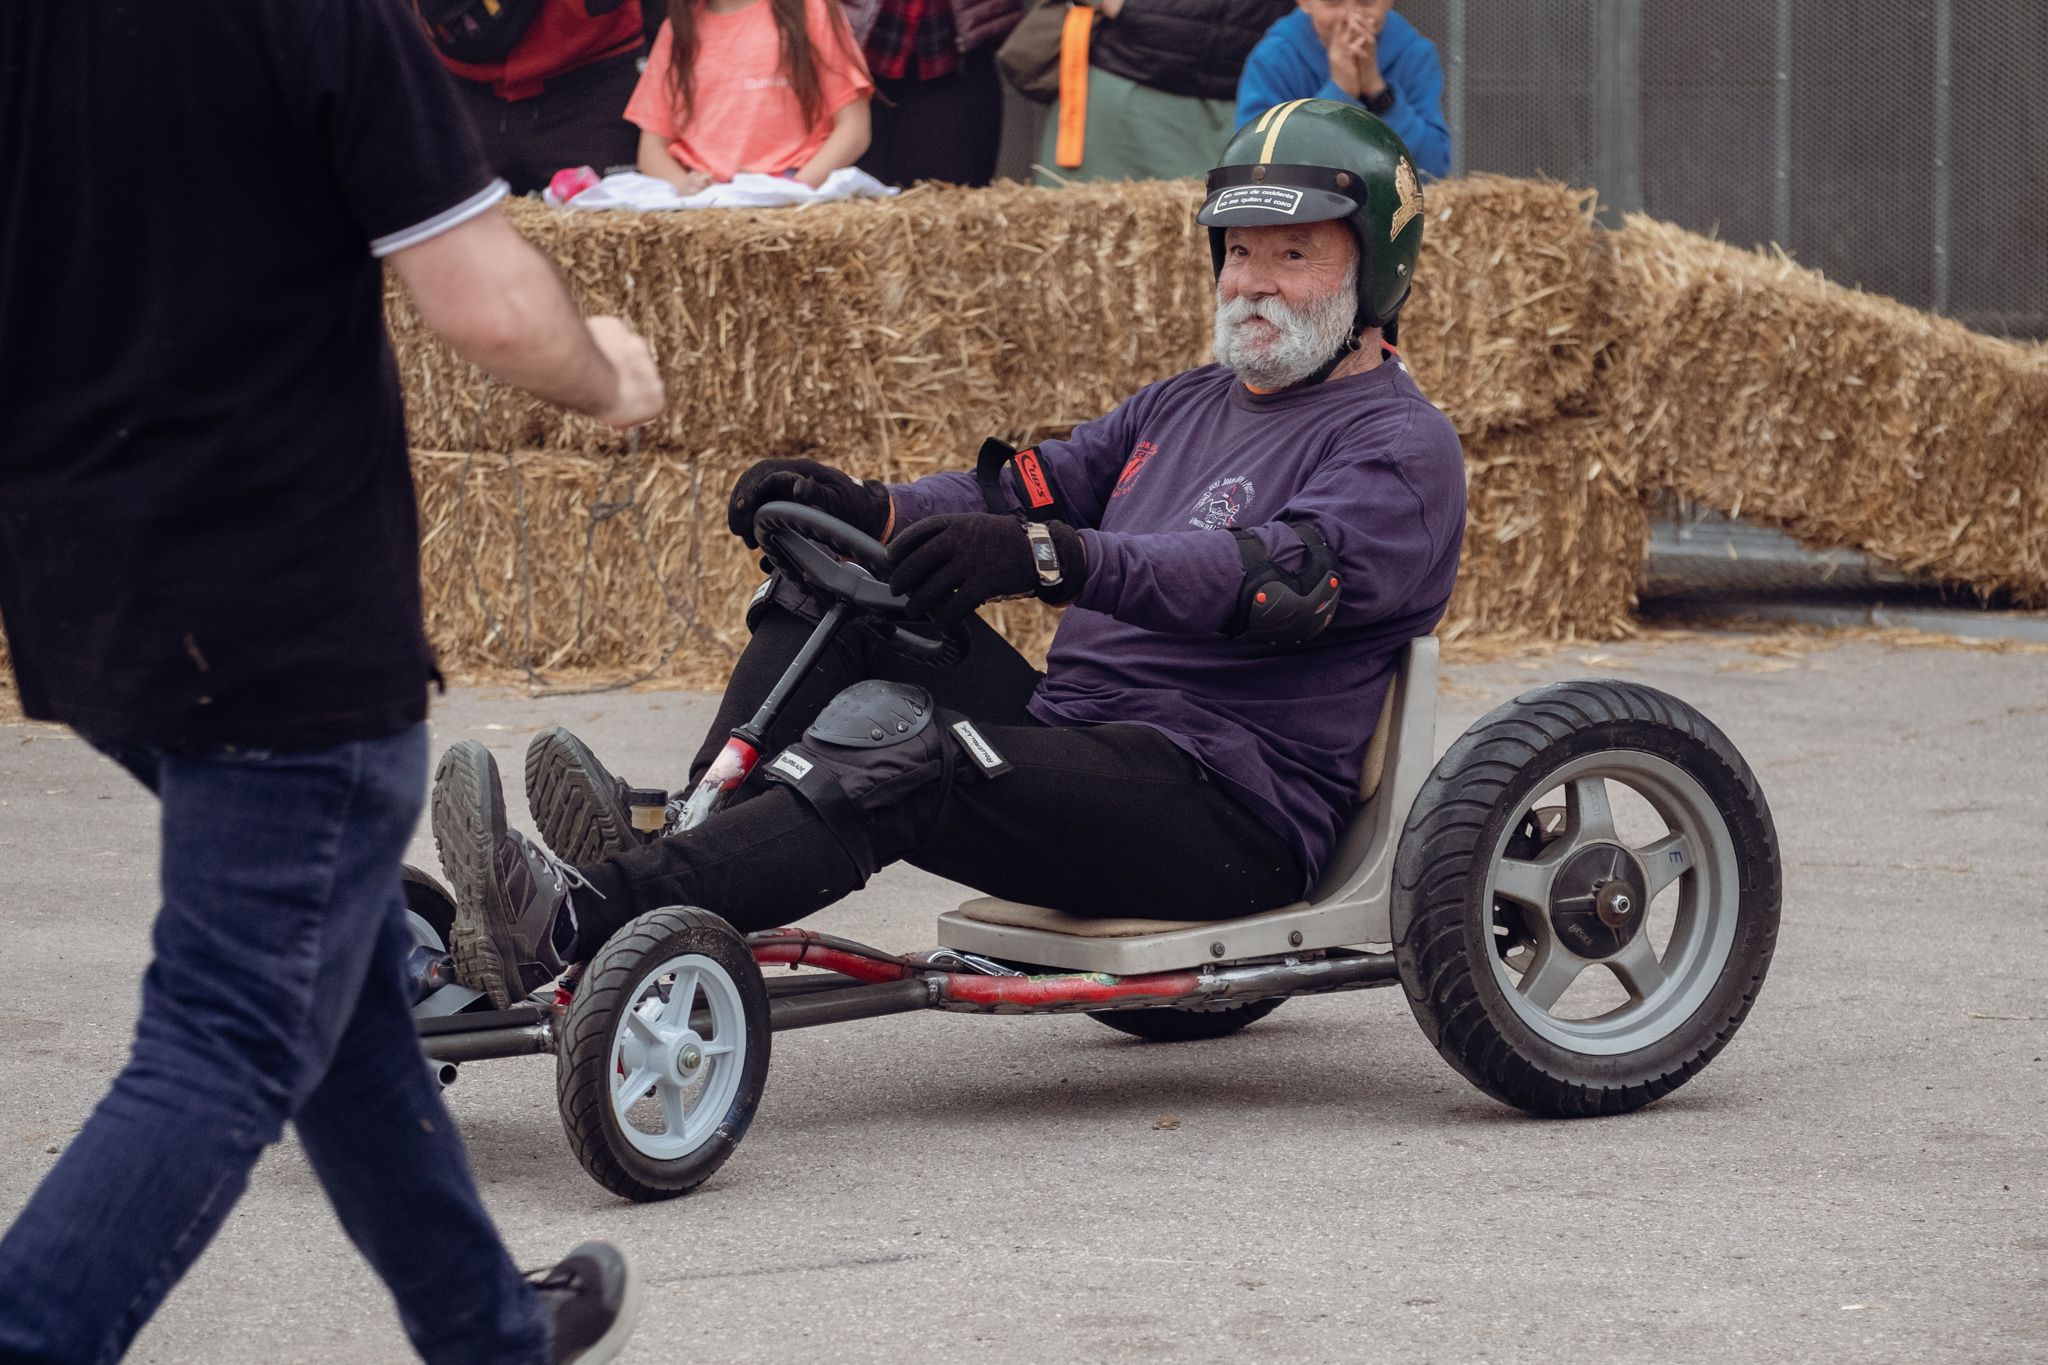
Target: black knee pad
874	745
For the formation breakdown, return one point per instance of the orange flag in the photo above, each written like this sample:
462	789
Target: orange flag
1073	136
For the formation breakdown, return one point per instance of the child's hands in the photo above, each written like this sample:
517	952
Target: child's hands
691	182
1354	51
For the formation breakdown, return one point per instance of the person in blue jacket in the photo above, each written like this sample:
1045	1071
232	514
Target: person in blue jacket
1359	52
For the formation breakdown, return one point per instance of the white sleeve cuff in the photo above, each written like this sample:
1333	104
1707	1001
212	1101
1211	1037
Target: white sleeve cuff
440	222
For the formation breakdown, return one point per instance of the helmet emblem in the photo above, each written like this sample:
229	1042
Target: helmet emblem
1411	198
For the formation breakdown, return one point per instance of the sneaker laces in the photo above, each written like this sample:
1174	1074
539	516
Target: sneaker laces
551	1278
566	872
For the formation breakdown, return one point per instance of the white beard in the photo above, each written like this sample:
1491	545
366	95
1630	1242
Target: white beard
1297	344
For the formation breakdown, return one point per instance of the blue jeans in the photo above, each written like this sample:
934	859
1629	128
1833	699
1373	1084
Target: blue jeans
276	994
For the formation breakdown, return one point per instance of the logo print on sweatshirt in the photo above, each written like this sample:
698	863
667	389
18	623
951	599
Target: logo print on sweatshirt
1222	503
1140	453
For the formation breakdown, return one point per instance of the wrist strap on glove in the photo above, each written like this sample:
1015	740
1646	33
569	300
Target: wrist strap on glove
1042	500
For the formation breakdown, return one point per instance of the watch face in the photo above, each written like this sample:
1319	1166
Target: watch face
1045	554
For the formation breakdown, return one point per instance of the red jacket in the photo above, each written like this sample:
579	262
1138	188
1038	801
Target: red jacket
565	35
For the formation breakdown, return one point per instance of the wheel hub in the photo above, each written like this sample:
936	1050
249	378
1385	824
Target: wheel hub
685	1058
1598	900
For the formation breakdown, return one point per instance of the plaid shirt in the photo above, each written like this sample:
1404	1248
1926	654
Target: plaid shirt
912	38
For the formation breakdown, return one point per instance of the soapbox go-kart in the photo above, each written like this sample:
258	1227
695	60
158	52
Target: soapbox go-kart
1579	899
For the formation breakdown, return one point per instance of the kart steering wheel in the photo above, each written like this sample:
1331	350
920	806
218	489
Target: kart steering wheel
836	561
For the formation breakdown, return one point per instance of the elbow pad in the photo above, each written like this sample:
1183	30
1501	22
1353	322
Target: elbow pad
1275	607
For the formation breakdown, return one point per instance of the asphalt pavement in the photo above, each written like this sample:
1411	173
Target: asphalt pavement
1860	1175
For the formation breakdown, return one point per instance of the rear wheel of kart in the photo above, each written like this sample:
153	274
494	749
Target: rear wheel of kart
1589	955
664	1054
1187	1023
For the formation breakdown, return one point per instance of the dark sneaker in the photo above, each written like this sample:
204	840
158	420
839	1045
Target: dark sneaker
509	893
592	1296
582	812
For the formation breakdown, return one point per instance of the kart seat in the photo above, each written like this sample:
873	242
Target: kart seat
1348	905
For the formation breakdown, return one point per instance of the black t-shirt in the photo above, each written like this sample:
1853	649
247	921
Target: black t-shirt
207	525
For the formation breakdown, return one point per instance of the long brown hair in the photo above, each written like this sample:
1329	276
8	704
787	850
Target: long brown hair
799	58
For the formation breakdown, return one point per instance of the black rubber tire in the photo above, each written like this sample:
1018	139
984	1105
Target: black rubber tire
428	899
1443	935
583	1061
1174	1024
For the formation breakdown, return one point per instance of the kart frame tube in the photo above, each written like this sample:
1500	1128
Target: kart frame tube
860	982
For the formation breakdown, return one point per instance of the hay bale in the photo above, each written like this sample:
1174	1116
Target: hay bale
538	562
930	320
760	324
1555	535
1505	328
1851	421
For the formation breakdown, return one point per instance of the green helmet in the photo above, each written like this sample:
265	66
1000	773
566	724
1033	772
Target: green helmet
1313	161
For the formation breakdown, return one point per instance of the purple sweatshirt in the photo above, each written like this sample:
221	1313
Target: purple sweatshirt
1366	460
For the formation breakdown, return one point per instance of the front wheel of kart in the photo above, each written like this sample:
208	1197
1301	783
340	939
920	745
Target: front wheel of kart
664	1054
1185	1024
1589	956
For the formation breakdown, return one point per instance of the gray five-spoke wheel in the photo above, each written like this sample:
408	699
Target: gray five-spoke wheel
1583	902
1586	957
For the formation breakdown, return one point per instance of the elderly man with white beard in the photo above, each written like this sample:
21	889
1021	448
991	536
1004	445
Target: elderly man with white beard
1243	550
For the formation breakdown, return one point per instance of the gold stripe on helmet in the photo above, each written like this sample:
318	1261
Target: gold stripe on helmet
1277	116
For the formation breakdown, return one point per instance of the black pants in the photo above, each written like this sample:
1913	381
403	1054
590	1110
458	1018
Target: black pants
1095	820
579	120
946	129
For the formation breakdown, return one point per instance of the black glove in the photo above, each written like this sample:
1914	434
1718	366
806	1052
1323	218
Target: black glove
949	565
863	506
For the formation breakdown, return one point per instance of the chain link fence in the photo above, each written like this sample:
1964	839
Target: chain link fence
1897	145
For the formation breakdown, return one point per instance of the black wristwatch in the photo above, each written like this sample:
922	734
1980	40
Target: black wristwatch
1380	103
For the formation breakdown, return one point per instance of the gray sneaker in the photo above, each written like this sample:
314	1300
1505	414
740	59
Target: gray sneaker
582	812
510	894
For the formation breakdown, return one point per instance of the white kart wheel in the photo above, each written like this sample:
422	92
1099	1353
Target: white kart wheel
677	1054
664	1054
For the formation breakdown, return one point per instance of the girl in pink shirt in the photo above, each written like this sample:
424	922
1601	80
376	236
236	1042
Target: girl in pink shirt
775	86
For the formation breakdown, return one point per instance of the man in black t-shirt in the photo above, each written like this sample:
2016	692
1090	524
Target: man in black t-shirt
209	567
